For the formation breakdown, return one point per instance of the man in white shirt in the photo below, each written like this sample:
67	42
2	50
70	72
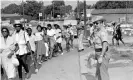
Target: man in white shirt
22	39
71	35
58	37
33	47
51	33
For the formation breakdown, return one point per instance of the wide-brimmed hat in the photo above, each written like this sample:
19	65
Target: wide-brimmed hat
9	28
98	18
17	23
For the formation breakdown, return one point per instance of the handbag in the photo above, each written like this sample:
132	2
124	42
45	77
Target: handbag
15	61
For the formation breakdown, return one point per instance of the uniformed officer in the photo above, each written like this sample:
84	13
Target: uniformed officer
101	48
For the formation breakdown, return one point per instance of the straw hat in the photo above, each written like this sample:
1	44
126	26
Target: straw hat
98	18
17	23
9	28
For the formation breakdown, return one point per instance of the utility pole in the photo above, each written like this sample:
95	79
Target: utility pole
23	14
53	9
85	28
78	8
126	11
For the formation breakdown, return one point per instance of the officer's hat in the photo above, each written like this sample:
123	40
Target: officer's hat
118	24
98	18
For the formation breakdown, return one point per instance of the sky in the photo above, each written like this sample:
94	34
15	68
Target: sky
73	3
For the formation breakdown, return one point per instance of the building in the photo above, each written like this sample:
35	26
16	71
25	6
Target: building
13	17
118	15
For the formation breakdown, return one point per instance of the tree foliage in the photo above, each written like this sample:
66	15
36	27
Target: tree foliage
113	4
10	9
33	8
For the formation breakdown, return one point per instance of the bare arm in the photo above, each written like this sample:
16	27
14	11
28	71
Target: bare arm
104	48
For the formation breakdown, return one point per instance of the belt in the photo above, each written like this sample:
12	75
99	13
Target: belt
98	50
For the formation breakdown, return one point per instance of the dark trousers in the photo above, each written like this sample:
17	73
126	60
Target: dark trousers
29	59
58	46
2	70
68	44
71	40
22	63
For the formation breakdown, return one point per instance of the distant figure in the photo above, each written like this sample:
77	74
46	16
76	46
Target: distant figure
114	32
67	38
90	38
71	35
119	34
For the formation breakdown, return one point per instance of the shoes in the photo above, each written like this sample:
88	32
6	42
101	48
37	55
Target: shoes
62	53
80	50
36	70
27	75
39	63
20	79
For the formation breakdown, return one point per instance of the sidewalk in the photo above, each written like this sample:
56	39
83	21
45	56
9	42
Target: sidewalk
118	69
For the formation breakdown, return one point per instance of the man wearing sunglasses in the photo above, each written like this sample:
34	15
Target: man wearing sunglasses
22	39
101	48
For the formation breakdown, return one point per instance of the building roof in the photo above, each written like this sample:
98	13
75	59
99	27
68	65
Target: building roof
9	15
112	11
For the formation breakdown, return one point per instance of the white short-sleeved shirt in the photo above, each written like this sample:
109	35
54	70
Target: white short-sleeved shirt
91	30
22	38
32	42
58	34
38	36
71	31
51	32
100	37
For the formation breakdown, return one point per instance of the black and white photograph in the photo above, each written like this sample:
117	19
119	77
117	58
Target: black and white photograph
66	40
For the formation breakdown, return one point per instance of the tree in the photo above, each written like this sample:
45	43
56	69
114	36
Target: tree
57	7
11	9
81	8
113	4
31	8
58	3
65	9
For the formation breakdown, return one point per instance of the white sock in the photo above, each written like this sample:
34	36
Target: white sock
46	45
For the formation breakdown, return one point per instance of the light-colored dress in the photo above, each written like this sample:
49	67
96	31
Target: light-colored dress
40	44
7	64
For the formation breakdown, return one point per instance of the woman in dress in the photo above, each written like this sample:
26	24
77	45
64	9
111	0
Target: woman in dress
40	47
7	50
